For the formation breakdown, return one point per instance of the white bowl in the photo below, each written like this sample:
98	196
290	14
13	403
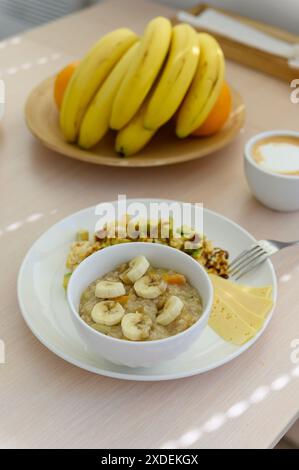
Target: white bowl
277	191
134	353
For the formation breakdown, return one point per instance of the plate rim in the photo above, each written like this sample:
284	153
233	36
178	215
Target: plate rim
89	157
139	377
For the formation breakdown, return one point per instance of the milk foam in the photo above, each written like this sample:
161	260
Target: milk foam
278	156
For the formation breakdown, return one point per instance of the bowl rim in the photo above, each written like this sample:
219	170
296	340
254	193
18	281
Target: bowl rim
262	135
146	344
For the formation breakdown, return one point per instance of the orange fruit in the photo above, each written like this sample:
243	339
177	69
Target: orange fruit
219	114
62	80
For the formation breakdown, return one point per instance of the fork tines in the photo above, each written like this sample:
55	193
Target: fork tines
247	260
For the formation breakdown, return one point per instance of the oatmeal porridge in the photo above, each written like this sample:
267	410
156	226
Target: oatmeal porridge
139	302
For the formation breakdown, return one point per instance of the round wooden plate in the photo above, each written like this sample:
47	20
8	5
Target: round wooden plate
42	119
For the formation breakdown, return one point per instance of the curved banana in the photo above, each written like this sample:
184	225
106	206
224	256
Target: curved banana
150	286
136	326
171	310
109	289
142	73
133	137
137	268
205	88
95	123
88	77
176	77
107	312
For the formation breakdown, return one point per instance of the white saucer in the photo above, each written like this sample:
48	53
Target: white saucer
44	307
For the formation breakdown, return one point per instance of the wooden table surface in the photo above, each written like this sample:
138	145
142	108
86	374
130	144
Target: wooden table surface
46	402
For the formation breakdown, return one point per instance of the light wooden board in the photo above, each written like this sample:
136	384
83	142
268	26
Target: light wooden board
46	402
165	148
251	56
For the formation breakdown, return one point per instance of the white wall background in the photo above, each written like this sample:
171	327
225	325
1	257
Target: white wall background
283	13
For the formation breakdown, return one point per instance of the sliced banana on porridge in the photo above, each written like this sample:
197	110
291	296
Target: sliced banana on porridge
137	268
107	312
136	326
139	302
150	286
172	309
109	289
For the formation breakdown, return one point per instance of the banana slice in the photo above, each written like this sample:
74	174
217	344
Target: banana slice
109	289
137	268
136	326
150	286
172	308
107	312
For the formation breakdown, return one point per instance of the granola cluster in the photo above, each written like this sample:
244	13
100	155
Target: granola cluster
215	260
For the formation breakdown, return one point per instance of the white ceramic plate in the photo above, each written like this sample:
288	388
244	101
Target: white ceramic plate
46	312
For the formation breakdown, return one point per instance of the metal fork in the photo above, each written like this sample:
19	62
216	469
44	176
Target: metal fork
255	255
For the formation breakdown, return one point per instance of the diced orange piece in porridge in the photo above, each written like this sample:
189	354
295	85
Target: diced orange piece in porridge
174	279
123	299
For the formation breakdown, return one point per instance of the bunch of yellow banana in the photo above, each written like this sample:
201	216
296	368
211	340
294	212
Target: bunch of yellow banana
136	85
90	76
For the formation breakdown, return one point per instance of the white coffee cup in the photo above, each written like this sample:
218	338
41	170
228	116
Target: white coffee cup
275	190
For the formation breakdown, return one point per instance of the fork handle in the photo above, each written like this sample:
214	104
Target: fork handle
282	245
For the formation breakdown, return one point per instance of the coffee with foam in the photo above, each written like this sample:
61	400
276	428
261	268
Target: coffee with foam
277	154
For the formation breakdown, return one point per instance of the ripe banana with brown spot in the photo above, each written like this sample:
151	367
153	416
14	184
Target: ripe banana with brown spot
137	268
95	123
136	326
176	77
109	289
171	310
205	88
142	73
89	76
133	137
107	313
150	286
